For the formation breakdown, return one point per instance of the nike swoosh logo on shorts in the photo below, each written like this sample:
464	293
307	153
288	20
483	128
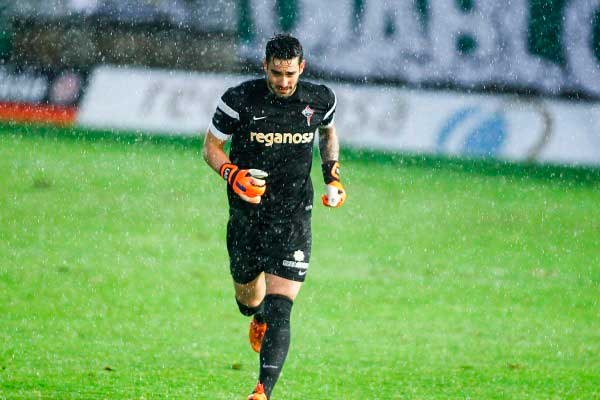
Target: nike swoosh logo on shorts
257	118
301	273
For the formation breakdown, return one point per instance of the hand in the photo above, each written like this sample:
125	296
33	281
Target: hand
249	184
335	195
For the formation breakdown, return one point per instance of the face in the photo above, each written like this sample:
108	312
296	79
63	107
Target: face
282	75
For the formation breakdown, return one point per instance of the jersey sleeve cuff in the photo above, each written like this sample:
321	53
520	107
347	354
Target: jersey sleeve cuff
330	123
217	133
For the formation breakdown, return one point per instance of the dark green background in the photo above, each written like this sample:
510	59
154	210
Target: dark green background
545	24
544	38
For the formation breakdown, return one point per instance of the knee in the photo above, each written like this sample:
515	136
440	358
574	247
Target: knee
277	309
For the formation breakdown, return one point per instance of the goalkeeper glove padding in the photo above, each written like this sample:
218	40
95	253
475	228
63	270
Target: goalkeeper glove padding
249	184
335	194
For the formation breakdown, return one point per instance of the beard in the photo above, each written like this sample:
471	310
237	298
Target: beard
281	92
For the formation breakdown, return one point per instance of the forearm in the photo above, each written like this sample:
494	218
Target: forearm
330	151
329	146
215	159
213	153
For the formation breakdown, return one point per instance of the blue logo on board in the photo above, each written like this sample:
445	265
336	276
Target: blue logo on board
472	131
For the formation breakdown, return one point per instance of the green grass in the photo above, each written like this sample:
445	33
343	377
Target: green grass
439	279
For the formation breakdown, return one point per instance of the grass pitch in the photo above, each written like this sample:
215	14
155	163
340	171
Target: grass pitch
438	279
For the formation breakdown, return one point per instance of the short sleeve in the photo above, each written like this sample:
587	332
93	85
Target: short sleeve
226	119
328	119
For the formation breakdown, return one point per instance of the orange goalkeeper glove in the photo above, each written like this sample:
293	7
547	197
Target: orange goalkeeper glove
335	194
249	184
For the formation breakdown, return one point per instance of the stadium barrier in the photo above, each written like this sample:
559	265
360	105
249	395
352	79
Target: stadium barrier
151	100
504	127
40	96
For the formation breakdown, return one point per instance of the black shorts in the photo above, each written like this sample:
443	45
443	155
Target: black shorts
280	247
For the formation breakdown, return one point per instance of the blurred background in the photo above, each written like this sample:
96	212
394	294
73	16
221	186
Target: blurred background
410	73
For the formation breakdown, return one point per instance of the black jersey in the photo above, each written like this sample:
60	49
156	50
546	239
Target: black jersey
275	135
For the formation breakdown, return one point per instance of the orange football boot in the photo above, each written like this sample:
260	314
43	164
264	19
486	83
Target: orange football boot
257	334
259	393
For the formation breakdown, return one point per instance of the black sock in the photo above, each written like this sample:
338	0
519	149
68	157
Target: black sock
275	345
259	316
248	311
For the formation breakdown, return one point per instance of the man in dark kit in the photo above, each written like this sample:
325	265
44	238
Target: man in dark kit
272	124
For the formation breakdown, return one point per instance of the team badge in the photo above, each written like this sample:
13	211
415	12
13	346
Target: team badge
308	113
298	255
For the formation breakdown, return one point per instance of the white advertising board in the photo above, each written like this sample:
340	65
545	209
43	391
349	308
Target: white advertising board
506	127
173	102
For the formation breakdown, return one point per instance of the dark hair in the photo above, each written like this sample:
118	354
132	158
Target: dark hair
284	47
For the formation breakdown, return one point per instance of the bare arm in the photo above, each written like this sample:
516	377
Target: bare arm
213	152
329	146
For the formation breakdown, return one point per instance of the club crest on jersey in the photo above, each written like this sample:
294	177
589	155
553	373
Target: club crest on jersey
308	113
298	255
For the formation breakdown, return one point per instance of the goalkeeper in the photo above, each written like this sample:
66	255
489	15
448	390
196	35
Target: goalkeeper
271	123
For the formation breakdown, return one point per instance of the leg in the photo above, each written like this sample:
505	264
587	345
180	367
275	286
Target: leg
251	294
282	286
243	262
286	266
277	309
249	298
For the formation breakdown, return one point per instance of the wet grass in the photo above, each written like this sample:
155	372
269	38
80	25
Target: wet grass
438	279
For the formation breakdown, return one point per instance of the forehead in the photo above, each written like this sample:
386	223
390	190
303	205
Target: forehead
285	65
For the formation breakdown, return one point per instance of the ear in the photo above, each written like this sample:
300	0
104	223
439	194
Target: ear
302	65
264	65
